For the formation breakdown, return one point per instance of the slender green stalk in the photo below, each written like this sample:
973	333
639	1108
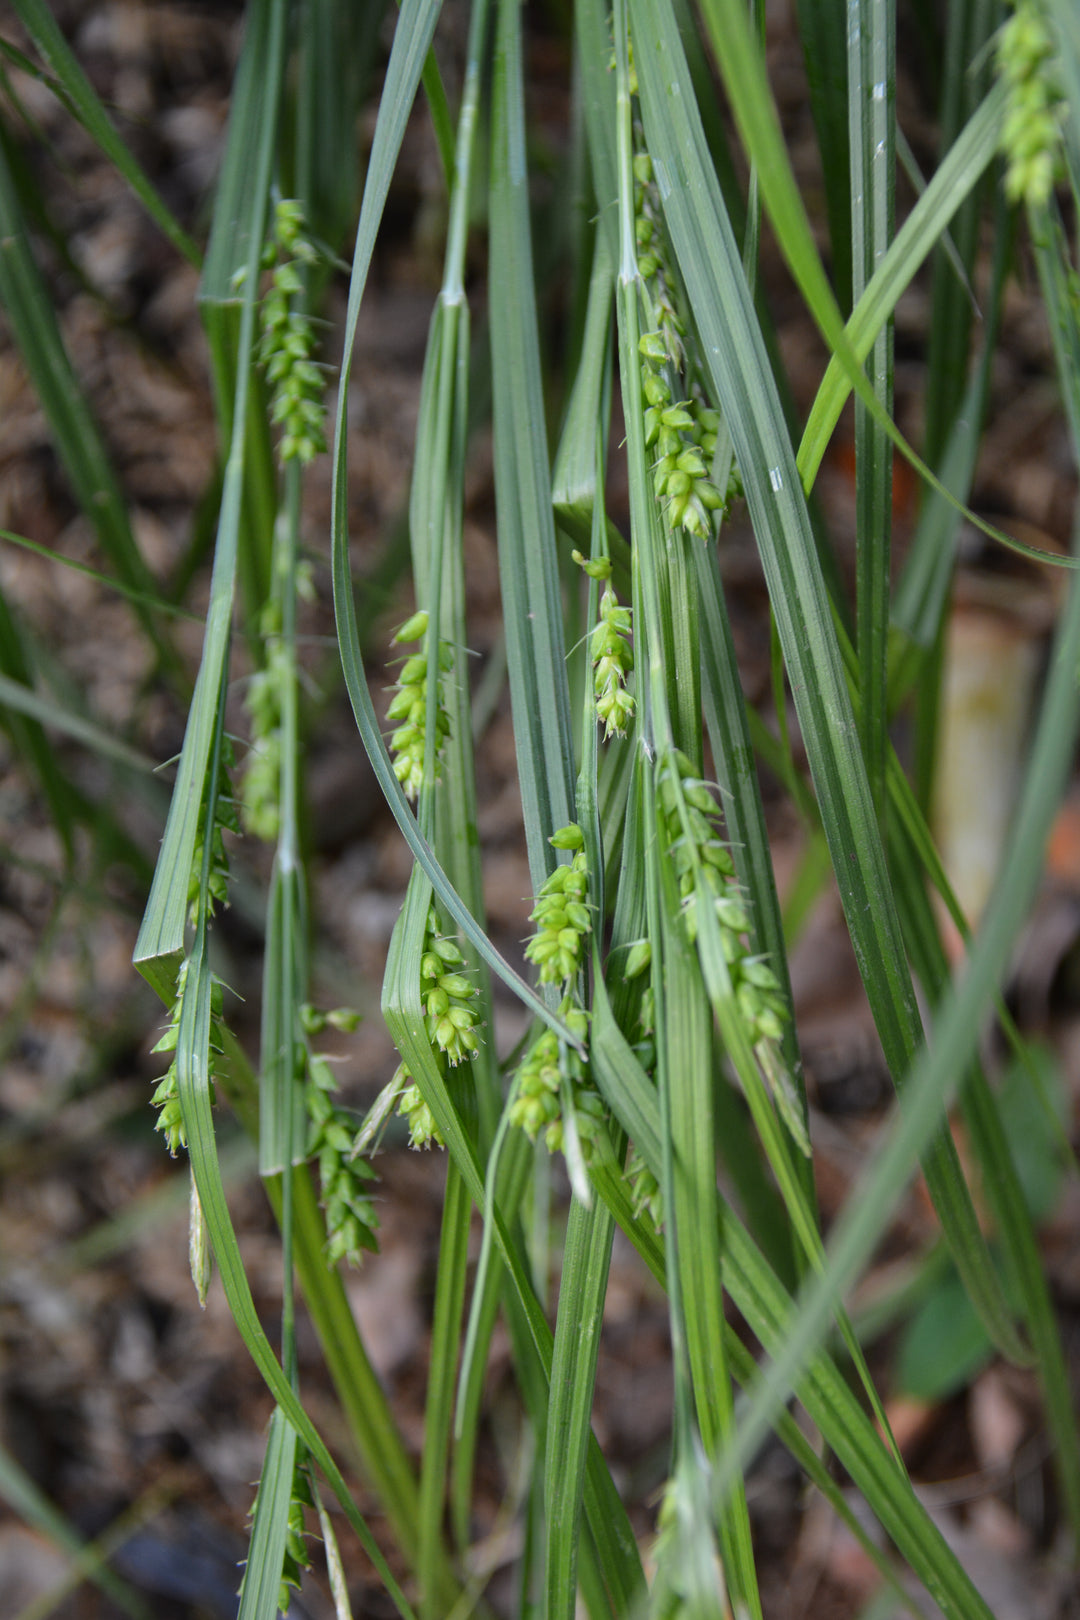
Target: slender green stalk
871	86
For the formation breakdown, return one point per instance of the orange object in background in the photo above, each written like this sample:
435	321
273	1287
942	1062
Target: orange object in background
1063	844
905	481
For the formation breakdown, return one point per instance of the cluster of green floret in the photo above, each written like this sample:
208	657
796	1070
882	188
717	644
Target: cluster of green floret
296	1558
652	260
260	781
344	1177
452	1023
681	433
547	1077
447	995
288	340
260	784
225	819
553	1073
758	996
166	1097
561	914
611	652
1031	134
408	707
756	988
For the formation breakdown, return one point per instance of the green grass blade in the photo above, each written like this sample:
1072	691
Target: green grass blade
742	67
739	56
1001	1189
469	1402
161	936
685	1080
583	1284
745	81
229	283
31	312
156	604
968	70
734	355
532	609
410	43
338	45
831	1405
56	53
592	34
823	1391
744	813
26	731
959	172
956	1033
1066	27
922	595
382	1454
448	806
824	43
916	179
31	1504
193	1072
402	1010
574	479
439	1405
383	1457
871	93
24	700
261	1585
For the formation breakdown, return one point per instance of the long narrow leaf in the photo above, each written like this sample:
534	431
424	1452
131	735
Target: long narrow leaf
716	286
161	936
527	569
262	1577
41	25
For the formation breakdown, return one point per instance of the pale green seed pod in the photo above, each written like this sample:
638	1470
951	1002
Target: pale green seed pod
413	629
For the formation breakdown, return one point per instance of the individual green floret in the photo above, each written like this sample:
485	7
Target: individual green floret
561	913
408	707
200	1252
1031	134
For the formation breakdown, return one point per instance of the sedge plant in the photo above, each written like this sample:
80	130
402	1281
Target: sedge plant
661	1039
